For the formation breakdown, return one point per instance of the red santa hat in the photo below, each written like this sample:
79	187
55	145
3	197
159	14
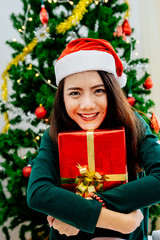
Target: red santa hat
86	54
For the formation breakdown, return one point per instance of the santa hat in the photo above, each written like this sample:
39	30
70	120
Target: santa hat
86	54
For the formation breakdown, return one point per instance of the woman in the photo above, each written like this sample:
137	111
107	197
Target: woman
89	75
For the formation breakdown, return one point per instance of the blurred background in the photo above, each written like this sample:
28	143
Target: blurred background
144	19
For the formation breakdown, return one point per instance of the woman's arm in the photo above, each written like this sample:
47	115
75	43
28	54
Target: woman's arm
120	222
124	223
142	192
45	195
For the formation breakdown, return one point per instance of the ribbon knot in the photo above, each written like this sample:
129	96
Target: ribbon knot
89	182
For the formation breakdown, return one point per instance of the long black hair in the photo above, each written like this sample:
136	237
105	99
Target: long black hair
119	113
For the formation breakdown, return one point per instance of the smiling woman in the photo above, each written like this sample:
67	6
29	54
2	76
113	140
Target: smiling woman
89	75
85	99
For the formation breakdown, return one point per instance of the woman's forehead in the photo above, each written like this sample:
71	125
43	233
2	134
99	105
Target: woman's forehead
83	78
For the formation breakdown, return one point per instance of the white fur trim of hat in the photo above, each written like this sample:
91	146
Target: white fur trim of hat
87	60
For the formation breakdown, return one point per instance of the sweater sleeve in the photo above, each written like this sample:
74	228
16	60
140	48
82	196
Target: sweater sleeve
141	192
44	195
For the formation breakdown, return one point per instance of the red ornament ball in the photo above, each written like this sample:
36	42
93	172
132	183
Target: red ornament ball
131	101
40	112
148	84
126	27
26	171
44	15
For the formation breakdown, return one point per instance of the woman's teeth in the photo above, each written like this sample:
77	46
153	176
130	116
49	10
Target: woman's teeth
88	115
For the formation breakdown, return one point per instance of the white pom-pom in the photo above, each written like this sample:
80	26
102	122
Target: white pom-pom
122	80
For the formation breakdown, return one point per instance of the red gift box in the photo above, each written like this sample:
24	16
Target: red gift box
90	160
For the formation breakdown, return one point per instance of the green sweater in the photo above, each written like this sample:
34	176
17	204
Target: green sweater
45	195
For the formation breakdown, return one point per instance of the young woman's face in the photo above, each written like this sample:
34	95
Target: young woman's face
85	99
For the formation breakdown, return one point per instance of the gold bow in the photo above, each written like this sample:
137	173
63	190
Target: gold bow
89	182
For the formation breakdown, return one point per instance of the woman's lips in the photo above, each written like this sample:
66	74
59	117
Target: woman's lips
88	117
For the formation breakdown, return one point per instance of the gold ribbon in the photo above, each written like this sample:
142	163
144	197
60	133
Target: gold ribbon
90	180
90	151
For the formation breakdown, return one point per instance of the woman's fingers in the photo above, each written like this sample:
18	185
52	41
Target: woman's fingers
64	228
50	220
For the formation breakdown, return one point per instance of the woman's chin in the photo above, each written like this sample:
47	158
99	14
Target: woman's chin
89	127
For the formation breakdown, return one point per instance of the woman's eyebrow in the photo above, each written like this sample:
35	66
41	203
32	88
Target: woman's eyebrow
99	85
78	88
74	88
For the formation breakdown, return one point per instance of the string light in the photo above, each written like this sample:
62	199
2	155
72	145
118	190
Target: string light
49	81
20	30
14	40
19	80
96	2
37	75
30	19
41	134
25	22
38	137
71	2
46	81
50	1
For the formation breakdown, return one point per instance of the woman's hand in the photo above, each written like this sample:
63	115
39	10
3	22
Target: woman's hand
134	220
63	228
50	220
121	222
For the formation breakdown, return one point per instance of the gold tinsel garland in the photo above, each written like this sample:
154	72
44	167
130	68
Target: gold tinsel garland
5	76
76	16
127	15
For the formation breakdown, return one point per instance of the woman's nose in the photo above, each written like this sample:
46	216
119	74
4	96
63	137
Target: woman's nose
87	103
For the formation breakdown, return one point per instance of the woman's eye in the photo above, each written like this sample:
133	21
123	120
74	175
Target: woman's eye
74	93
100	90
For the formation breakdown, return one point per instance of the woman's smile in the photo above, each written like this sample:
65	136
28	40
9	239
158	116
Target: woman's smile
85	99
89	116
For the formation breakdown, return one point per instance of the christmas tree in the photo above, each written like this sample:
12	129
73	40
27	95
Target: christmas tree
45	29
